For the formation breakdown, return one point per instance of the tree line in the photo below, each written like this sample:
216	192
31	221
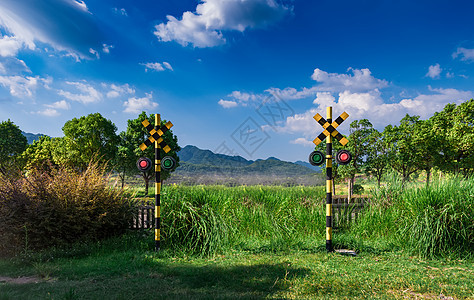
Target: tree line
86	139
443	142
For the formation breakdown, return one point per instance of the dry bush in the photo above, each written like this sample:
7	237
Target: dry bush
59	207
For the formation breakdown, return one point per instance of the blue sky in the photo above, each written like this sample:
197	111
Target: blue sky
241	77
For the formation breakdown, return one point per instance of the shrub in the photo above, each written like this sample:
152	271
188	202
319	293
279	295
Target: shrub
59	207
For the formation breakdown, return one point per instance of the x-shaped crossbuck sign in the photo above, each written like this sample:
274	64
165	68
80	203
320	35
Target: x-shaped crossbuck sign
330	129
156	136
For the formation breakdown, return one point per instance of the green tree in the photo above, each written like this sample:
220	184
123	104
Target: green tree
12	144
125	159
136	134
87	138
39	155
377	156
404	156
359	142
454	128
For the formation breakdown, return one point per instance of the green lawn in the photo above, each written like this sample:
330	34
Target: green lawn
125	269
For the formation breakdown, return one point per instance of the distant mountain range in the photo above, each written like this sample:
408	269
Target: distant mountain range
195	160
31	137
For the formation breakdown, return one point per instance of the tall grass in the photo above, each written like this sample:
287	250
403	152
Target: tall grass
433	221
211	219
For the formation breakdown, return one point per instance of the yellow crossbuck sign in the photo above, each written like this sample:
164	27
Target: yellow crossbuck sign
156	136
330	129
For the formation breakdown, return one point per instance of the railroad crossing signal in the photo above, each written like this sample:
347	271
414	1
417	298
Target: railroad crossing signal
316	158
167	164
330	129
156	136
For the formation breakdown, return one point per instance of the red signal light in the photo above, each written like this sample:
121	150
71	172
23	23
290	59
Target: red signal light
144	164
343	157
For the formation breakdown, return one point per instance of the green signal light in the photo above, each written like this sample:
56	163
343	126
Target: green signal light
316	158
168	163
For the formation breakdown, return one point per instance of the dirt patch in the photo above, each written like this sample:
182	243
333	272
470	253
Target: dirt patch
20	280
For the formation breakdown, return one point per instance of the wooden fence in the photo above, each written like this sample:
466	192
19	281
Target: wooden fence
344	212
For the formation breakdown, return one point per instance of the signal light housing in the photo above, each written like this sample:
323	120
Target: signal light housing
144	164
168	163
343	157
316	158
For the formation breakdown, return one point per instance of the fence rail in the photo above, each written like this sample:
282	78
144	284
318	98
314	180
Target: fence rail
344	212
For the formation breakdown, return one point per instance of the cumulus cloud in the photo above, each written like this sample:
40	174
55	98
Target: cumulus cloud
227	103
20	86
465	54
65	25
302	141
63	104
434	71
83	93
156	66
204	27
360	81
48	112
118	90
10	45
370	105
136	105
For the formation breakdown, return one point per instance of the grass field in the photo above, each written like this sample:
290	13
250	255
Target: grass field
413	242
125	268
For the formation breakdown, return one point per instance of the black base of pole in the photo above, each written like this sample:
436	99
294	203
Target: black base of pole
329	246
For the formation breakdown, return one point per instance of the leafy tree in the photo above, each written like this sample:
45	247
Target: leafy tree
454	127
359	143
87	138
404	156
12	144
377	156
125	159
136	134
40	154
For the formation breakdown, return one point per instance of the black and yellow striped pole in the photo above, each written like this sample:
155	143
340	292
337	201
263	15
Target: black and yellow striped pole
329	184
315	158
157	186
156	133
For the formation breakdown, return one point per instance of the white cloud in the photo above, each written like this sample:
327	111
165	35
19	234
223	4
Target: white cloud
361	80
204	27
371	106
136	105
168	66
63	104
106	48
24	21
302	141
10	45
48	112
227	104
434	71
87	93
118	90
156	66
20	86
464	53
120	11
